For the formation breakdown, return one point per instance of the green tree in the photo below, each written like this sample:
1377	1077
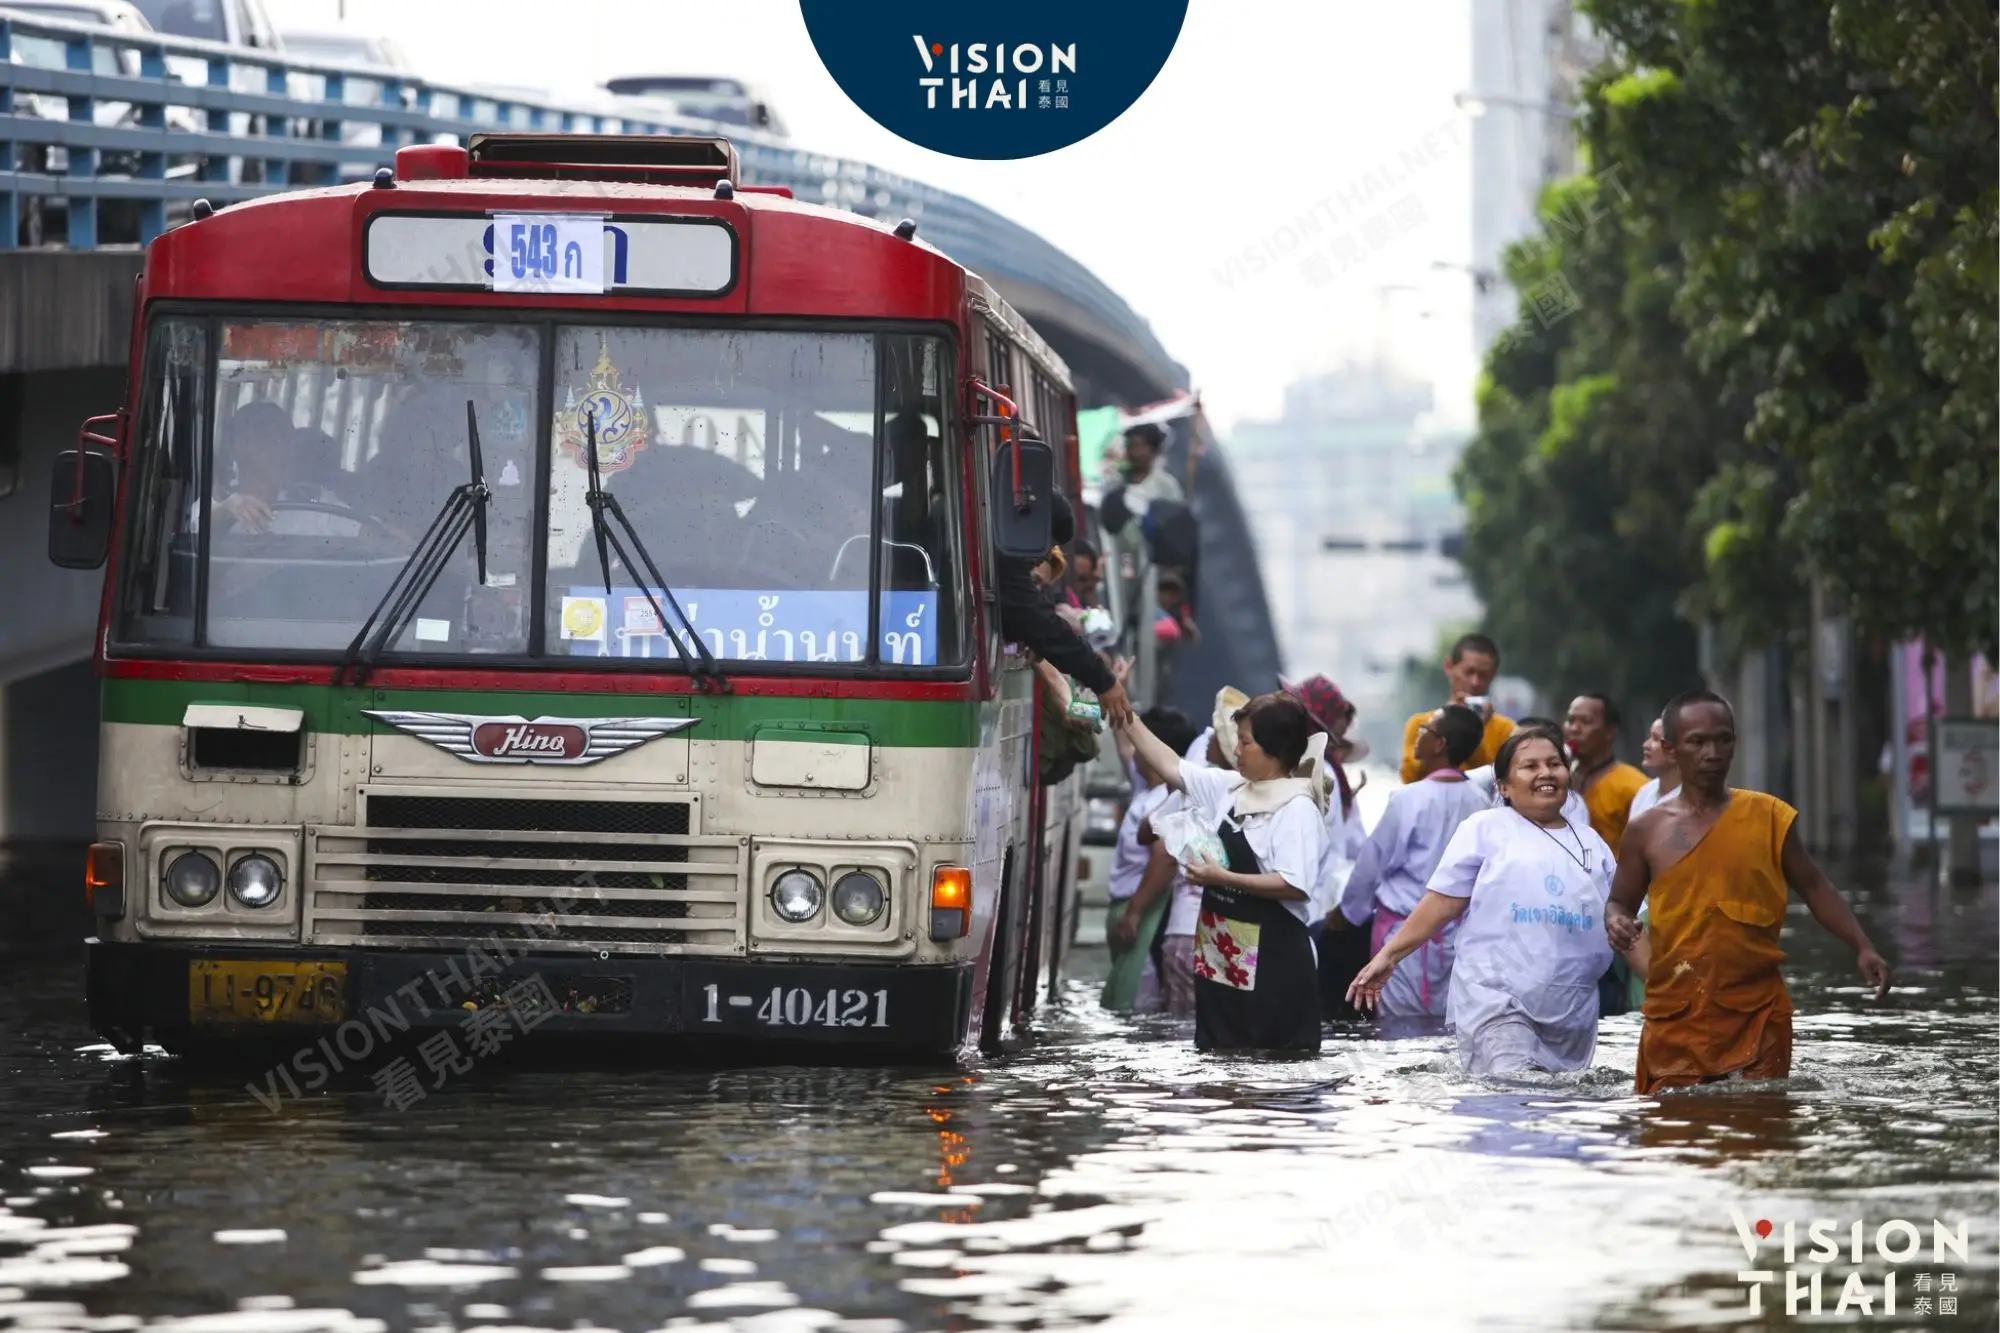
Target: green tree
1782	361
1828	174
1594	439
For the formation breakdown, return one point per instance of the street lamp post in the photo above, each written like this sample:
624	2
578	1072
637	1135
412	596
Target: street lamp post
1477	104
1484	280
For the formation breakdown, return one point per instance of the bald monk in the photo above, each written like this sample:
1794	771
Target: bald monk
1718	865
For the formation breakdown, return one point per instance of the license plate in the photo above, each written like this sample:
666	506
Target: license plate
798	1010
225	991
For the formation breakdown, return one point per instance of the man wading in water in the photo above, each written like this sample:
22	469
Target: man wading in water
1718	864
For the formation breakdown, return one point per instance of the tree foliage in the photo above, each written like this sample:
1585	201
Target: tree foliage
1782	360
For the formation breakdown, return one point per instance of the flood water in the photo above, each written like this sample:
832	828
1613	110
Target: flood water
1106	1176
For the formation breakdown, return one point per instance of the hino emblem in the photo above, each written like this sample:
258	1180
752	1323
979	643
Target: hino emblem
542	740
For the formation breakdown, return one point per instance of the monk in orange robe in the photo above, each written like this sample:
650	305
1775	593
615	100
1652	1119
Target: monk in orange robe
1719	865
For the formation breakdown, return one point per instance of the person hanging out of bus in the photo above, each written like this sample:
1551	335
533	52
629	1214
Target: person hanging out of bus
1086	575
1468	674
1028	618
1528	887
1256	982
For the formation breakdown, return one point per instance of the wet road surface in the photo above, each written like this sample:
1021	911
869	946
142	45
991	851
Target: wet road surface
1106	1176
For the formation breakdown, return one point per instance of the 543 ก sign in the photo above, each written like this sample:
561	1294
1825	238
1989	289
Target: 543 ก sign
548	252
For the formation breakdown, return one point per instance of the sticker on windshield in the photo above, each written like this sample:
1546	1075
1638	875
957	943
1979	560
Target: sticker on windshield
583	619
641	619
620	417
548	252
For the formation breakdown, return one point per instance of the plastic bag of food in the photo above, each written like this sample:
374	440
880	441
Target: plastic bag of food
1188	833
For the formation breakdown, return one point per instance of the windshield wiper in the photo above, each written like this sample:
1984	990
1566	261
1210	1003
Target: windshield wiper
464	509
706	674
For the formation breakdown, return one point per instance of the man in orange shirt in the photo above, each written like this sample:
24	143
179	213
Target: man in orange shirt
1715	868
1469	672
1607	787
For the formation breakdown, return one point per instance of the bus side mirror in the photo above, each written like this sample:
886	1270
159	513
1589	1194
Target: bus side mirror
1023	502
80	501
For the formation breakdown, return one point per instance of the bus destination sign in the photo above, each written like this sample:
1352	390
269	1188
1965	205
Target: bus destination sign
551	252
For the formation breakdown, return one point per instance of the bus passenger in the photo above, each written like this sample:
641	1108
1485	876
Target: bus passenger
1531	887
1256	984
1027	618
272	470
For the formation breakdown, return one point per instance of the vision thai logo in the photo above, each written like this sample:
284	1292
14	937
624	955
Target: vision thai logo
1813	1255
1012	82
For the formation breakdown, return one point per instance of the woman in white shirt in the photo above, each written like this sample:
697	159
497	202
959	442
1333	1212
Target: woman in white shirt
1530	886
1256	983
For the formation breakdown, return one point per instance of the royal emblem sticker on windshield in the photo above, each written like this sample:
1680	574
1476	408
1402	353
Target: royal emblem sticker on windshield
543	740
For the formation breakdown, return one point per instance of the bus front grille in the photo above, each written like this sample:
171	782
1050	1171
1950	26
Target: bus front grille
428	869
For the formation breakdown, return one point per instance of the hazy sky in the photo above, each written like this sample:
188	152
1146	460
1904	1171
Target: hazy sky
1290	162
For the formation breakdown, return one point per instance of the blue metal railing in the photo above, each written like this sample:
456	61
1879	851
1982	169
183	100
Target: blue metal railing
120	133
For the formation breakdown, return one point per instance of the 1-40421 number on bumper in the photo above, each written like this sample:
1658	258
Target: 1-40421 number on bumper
220	991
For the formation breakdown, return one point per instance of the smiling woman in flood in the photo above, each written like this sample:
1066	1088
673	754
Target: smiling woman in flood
1531	886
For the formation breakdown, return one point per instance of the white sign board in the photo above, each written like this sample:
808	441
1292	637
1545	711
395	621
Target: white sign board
548	252
685	256
1968	766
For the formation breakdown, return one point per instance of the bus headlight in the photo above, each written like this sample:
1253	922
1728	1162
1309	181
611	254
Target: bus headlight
858	899
796	896
255	881
193	880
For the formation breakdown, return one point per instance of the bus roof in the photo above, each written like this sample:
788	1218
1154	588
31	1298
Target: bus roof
789	258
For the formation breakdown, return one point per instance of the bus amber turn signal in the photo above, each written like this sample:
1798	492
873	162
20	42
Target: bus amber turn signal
951	903
104	879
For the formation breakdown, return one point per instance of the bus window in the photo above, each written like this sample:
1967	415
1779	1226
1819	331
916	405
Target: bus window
157	596
746	462
921	501
335	445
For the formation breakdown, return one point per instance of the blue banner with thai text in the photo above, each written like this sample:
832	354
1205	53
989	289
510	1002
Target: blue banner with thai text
751	625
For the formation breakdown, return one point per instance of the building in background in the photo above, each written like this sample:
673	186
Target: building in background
1350	495
1528	59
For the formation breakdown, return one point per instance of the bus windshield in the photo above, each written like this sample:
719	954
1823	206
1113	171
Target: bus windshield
792	487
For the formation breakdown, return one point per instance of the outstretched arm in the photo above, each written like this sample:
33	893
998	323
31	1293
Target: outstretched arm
1432	914
1831	910
1155	758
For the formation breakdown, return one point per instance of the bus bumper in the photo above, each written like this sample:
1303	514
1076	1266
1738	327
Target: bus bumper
180	995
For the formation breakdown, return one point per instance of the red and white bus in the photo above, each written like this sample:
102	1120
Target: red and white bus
555	577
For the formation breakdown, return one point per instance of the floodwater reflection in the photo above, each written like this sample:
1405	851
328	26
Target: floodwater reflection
1107	1176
